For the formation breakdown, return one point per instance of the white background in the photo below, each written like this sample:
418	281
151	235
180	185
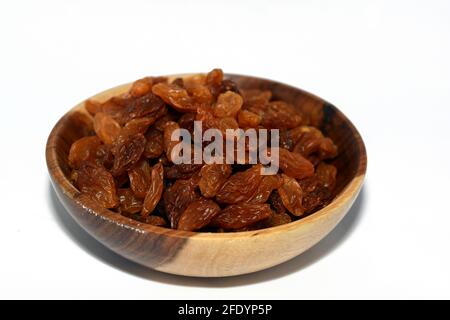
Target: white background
385	64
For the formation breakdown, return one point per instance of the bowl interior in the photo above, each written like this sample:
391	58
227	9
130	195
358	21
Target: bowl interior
350	162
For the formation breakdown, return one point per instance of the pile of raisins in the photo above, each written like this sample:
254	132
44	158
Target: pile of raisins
125	165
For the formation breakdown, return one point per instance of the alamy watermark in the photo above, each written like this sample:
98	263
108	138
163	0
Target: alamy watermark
236	146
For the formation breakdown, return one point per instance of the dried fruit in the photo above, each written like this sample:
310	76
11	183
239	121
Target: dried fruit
128	201
140	178
265	188
228	85
292	195
138	107
277	219
153	220
316	195
286	140
326	173
169	144
214	80
281	115
213	176
97	183
138	125
248	119
311	143
104	156
128	167
228	105
240	186
155	190
200	95
160	124
93	106
256	100
186	121
141	87
176	199
155	144
127	152
106	128
182	171
276	202
175	95
294	164
242	215
84	149
198	214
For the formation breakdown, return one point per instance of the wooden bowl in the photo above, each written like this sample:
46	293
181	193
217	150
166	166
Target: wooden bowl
212	254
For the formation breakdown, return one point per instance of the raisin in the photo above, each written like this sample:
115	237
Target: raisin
241	215
312	144
281	115
286	140
140	178
182	171
240	186
104	156
128	201
265	188
276	202
141	87
98	184
106	128
84	149
200	95
228	85
146	105
155	145
292	195
169	144
256	100
214	77
198	214
222	124
93	106
298	132
186	121
176	199
214	80
213	176
316	194
228	105
248	119
127	153
178	82
112	107
195	80
161	122
174	95
277	219
155	190
294	164
326	173
153	220
138	125
327	149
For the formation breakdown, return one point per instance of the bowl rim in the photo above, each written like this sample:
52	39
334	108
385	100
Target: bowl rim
349	191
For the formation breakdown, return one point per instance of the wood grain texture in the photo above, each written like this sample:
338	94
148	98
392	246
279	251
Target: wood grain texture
212	254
